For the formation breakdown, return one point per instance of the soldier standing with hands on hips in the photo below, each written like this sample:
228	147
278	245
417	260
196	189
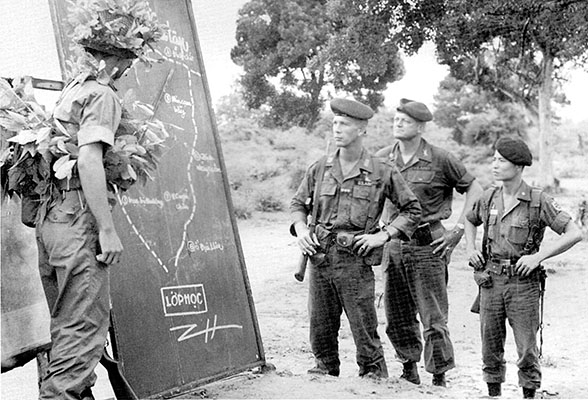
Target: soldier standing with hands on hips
416	272
347	240
508	267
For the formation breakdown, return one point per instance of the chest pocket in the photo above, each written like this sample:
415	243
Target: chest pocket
327	200
361	196
420	176
518	231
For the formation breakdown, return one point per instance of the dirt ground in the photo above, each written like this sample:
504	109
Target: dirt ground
271	257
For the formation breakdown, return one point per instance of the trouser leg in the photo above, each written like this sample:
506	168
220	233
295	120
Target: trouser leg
356	287
493	331
77	287
401	311
429	273
522	311
325	312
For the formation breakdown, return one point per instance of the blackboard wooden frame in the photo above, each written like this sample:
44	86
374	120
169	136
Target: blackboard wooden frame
128	354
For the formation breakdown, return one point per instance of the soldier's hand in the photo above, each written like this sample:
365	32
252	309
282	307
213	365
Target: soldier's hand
110	245
308	244
527	264
447	242
475	259
364	243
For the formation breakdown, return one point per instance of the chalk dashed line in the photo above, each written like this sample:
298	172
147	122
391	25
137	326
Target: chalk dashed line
190	182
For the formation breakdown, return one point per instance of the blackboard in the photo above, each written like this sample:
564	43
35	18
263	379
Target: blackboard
182	306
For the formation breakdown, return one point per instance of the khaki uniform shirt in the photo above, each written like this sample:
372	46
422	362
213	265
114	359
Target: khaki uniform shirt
508	230
89	109
355	202
432	174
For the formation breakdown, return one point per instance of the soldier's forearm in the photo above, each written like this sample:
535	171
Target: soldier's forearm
93	180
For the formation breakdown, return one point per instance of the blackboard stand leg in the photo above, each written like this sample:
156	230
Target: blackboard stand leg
120	386
267	367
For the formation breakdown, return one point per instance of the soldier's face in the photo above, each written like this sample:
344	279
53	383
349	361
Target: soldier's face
504	170
346	131
406	127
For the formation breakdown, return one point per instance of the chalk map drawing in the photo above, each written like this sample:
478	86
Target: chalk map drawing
201	162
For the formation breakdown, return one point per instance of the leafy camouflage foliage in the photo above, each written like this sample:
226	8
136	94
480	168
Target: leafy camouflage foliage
39	156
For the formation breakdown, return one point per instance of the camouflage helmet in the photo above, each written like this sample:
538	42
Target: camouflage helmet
119	27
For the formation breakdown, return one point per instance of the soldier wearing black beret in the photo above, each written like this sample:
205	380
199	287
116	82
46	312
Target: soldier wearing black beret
347	240
416	272
508	267
515	150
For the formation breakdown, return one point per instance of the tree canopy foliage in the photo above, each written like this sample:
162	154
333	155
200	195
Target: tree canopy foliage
511	50
293	51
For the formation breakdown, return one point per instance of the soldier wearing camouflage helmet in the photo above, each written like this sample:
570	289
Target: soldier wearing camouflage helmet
77	240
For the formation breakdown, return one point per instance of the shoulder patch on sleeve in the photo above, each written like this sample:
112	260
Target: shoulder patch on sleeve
555	205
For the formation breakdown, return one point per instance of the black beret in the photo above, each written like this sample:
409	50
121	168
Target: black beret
415	109
514	150
351	108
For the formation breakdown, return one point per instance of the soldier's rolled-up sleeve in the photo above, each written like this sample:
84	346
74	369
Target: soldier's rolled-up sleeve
100	117
474	215
552	214
409	208
299	205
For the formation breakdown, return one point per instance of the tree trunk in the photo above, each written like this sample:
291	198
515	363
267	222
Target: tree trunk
546	177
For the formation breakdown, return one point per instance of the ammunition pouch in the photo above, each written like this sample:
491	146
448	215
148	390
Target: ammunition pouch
345	240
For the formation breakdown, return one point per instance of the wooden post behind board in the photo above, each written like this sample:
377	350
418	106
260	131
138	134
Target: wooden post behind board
182	305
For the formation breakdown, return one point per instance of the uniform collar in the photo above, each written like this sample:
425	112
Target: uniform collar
524	192
365	164
423	153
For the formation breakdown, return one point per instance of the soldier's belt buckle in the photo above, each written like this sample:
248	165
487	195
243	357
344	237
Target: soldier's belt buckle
507	267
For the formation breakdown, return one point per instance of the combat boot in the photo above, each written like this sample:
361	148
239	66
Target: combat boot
321	370
494	389
410	372
528	393
439	380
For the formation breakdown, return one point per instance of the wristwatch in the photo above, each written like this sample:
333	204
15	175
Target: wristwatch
460	226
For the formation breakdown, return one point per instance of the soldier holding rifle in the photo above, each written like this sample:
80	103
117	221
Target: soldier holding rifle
347	240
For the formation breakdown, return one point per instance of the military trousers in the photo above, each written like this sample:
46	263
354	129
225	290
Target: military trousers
415	283
77	290
517	300
343	282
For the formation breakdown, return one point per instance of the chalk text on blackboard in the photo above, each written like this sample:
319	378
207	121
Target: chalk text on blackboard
183	300
180	49
178	105
196	245
140	201
205	162
208	332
